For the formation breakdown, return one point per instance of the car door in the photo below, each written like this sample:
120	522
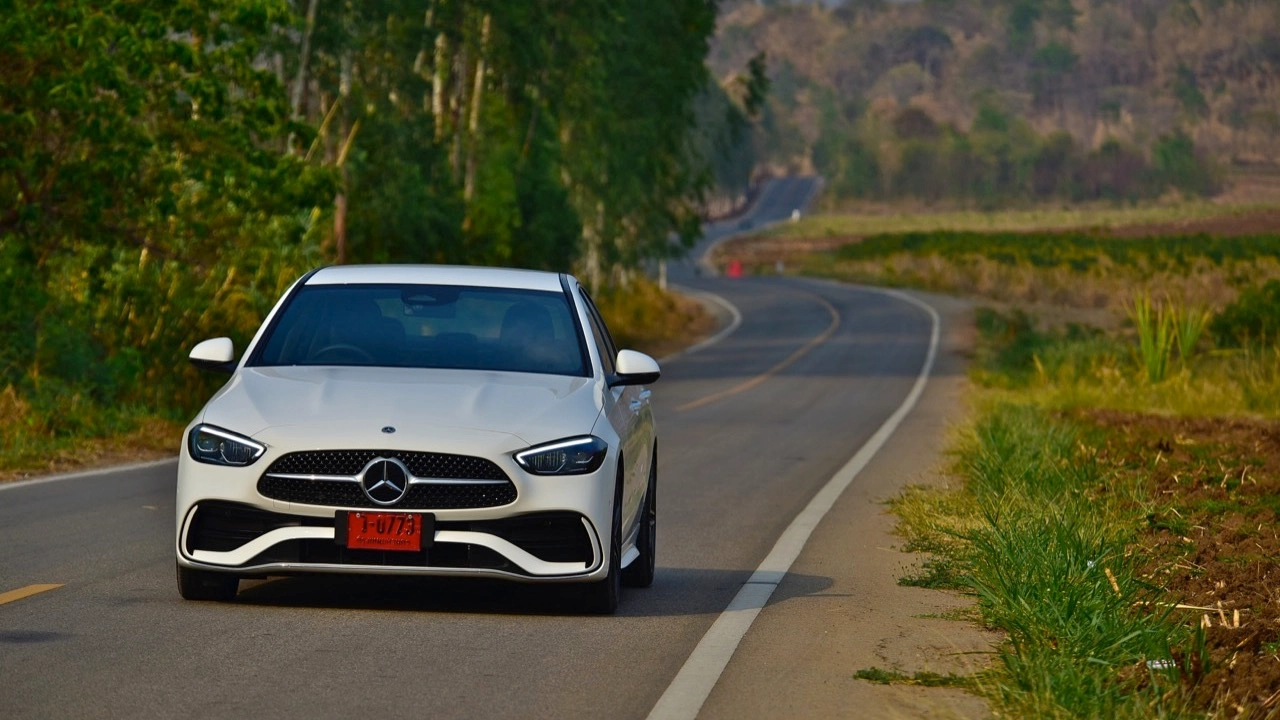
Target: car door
629	412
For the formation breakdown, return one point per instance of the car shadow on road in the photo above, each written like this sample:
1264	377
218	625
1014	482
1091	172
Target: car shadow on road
675	592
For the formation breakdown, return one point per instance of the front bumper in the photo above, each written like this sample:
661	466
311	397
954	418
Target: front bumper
549	532
240	538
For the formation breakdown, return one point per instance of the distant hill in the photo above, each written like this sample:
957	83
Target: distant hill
1070	98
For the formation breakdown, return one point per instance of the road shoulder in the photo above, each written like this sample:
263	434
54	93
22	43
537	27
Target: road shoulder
799	658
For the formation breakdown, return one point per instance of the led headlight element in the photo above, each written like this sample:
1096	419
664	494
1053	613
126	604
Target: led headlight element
209	444
576	456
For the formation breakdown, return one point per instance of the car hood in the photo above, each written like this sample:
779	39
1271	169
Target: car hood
351	406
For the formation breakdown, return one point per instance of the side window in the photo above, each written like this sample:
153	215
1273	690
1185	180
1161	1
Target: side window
604	343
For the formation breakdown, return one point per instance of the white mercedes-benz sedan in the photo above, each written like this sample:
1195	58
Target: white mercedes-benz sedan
423	420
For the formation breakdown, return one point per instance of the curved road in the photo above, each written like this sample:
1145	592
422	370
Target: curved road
751	428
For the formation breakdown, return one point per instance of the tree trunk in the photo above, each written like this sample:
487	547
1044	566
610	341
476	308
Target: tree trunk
473	123
456	105
340	223
340	202
595	239
438	81
298	100
304	58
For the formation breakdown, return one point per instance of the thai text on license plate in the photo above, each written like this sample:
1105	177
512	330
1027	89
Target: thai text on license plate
386	531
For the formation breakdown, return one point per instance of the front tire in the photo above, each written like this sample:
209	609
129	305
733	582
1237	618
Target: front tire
640	572
204	585
601	597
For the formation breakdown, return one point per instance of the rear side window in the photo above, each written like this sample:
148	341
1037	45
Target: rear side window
426	326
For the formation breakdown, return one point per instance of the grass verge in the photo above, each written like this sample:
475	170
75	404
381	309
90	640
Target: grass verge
1117	516
1038	534
31	445
1128	554
924	679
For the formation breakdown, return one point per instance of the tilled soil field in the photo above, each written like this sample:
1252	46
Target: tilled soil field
1257	222
1212	543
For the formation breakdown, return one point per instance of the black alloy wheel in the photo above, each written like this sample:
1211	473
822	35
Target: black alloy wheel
601	597
640	572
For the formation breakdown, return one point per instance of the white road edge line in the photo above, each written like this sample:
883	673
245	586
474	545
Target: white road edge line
735	321
84	474
691	686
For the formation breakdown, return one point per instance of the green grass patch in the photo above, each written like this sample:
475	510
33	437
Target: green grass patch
1038	534
74	431
937	572
924	678
1079	367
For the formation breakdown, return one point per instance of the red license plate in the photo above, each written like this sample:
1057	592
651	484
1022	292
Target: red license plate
386	531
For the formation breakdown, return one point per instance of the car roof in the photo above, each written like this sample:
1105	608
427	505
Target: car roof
437	275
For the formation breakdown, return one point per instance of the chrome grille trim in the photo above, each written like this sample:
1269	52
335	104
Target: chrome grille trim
435	481
412	480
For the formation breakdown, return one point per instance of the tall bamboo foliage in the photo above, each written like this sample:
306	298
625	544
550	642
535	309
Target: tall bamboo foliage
169	168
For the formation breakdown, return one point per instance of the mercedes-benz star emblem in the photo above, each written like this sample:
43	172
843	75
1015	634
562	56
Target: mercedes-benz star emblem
388	429
385	481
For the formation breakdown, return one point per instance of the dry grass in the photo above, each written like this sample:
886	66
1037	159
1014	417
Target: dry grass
874	220
1105	289
643	317
27	452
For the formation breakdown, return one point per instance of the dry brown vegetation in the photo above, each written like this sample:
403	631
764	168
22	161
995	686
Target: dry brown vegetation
1131	70
1098	296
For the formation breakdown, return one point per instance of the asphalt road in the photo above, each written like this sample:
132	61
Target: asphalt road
750	428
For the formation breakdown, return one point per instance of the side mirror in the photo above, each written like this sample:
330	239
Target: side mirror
634	368
218	354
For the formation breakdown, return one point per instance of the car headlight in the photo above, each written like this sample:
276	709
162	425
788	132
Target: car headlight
209	444
576	456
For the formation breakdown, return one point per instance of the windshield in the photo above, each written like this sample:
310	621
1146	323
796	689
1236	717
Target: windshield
426	326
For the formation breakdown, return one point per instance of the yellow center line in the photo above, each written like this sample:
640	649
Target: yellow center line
25	592
753	382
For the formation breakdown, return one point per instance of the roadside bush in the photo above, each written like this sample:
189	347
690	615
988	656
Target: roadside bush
643	317
1253	318
1010	344
1176	163
1115	172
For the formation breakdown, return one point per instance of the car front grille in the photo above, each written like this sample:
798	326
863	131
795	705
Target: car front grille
291	479
421	464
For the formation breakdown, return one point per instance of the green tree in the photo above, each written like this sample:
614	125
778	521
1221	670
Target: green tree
1186	89
140	146
1175	163
1051	66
